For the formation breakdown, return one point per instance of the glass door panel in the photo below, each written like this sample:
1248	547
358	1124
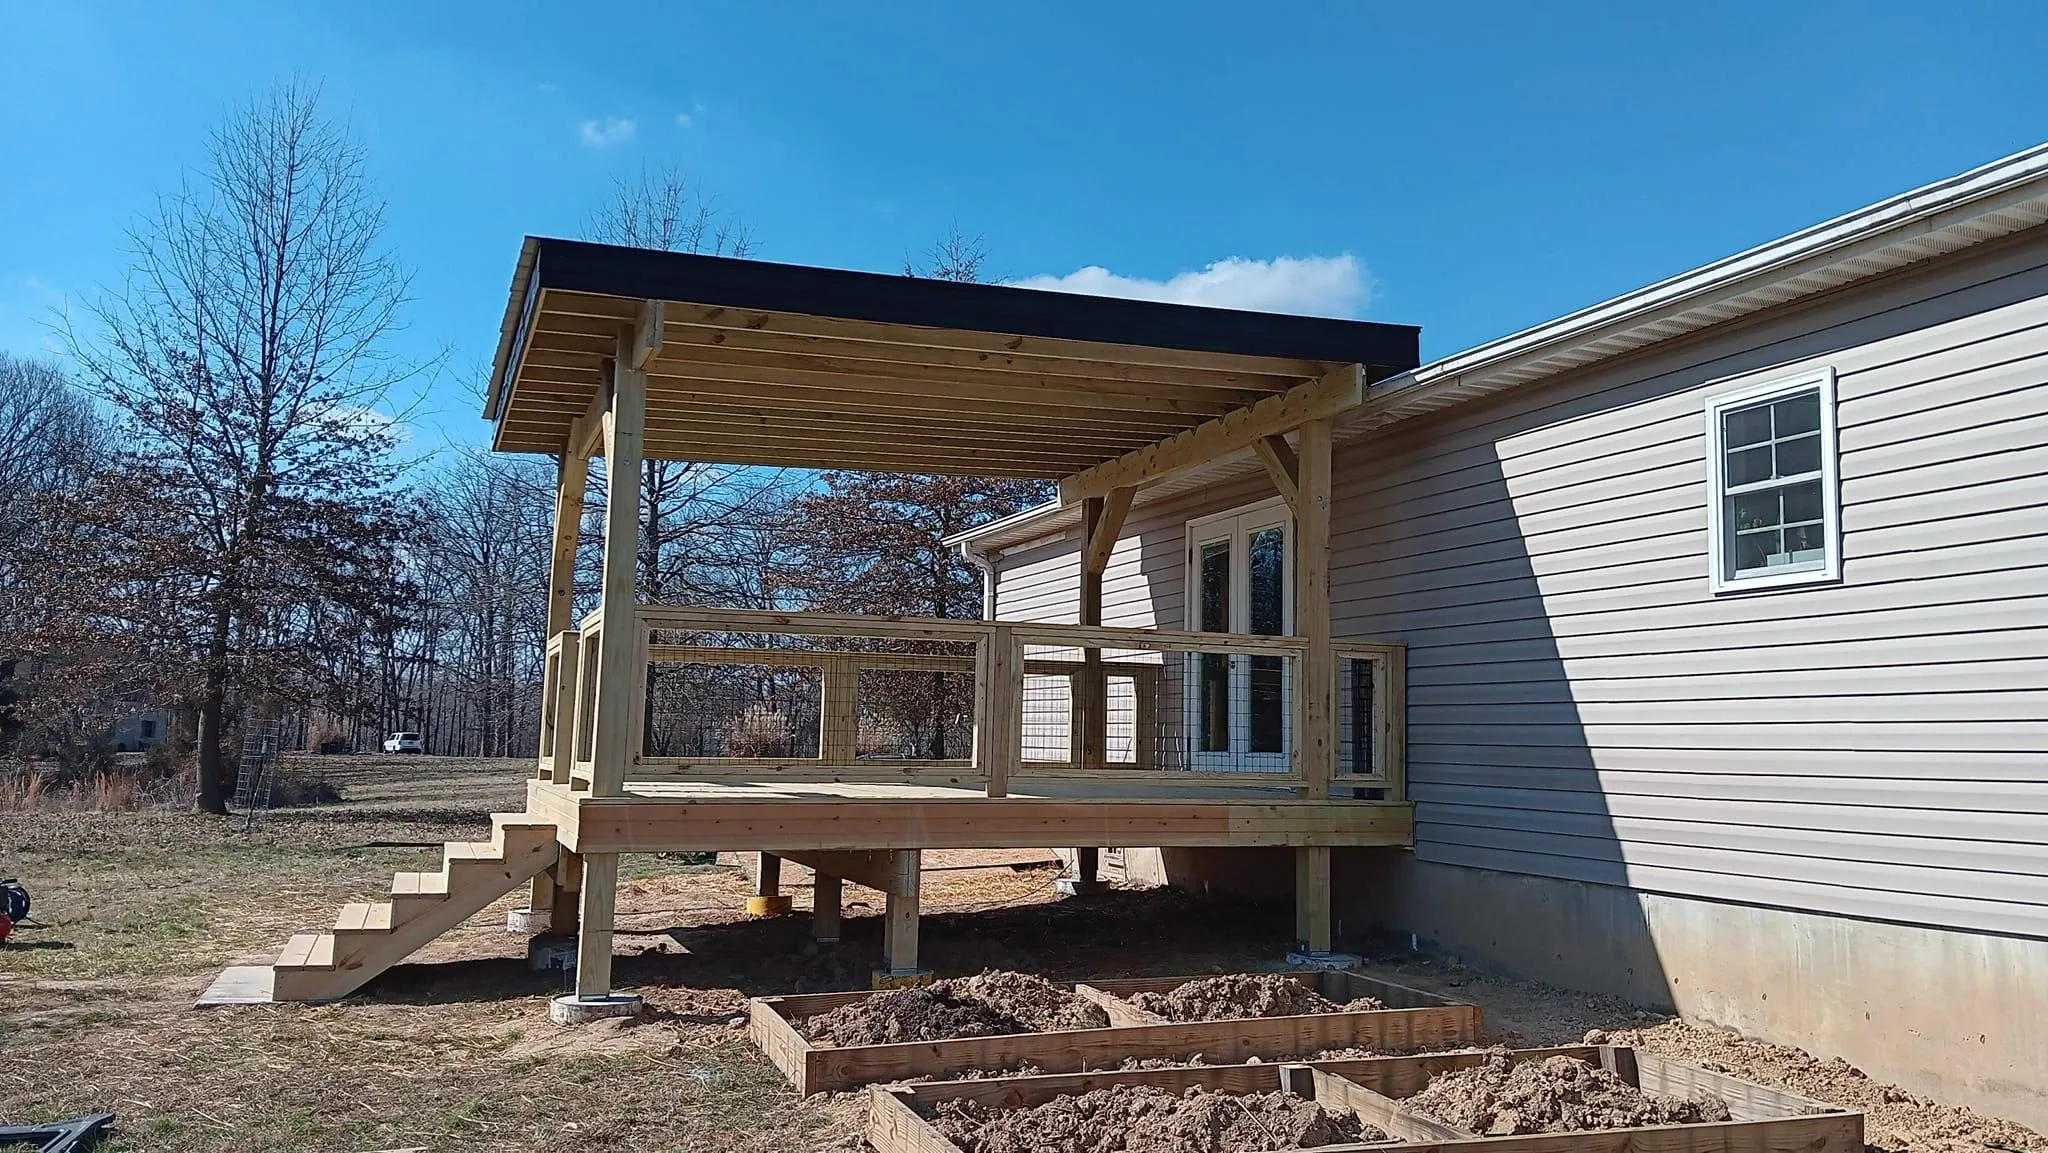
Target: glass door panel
1213	693
1243	582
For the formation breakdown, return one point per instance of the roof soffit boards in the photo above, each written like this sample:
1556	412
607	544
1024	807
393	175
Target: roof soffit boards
772	364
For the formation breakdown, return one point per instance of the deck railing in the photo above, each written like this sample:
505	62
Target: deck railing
754	695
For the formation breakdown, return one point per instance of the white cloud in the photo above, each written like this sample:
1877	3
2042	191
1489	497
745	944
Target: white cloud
683	120
611	131
1312	286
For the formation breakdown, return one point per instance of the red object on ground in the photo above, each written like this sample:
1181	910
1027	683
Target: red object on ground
6	926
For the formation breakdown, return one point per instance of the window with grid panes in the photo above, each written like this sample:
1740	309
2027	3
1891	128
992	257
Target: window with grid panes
1772	483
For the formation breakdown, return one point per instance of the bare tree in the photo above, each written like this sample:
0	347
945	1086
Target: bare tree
661	208
245	356
954	256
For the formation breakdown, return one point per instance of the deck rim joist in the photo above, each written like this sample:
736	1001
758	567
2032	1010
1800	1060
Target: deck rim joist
642	824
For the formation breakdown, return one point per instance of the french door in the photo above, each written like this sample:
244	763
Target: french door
1240	580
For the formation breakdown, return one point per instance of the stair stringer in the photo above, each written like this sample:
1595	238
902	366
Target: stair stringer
342	960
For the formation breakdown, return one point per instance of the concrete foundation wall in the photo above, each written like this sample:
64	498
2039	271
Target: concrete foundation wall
1956	1015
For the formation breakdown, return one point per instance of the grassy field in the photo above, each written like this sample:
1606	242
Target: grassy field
136	912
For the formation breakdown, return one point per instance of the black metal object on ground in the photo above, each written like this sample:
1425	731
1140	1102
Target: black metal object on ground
73	1136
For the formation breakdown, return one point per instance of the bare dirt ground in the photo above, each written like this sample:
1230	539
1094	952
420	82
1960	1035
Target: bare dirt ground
136	912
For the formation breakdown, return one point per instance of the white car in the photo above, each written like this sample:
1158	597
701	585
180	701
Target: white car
404	743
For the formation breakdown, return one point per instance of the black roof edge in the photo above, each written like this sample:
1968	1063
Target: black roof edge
653	274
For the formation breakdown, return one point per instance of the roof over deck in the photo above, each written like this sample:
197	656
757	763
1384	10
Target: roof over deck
749	362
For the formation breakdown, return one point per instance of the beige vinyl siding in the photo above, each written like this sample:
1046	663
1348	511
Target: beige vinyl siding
1582	707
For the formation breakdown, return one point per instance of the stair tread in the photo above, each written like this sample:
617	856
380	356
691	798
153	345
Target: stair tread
364	917
419	885
296	950
471	851
308	951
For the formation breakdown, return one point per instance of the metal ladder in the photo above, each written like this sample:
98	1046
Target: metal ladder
258	767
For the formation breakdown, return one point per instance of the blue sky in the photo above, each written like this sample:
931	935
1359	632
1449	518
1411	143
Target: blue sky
1483	167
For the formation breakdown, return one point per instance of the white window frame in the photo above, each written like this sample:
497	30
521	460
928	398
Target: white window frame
1242	522
1720	576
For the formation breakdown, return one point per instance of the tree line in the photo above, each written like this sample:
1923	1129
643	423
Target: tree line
203	508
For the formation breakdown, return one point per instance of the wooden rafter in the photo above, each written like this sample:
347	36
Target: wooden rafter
753	363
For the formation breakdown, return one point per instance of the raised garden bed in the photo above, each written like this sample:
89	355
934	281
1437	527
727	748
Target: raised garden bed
778	1026
917	1118
1241	996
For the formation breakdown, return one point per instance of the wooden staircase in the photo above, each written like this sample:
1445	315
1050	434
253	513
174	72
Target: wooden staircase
370	937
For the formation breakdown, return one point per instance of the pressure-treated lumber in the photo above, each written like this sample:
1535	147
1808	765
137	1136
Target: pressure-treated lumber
826	898
809	816
619	675
772	1025
1764	1120
1278	457
594	934
875	868
1327	396
899	927
369	937
1317	742
1339	985
1312	916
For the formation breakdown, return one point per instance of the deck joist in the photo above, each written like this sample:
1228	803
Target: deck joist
674	816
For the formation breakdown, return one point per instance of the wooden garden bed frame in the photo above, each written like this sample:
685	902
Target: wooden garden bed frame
1339	985
773	1026
1763	1120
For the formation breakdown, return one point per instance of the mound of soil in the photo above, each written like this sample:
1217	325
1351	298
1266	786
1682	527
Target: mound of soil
1144	1119
1555	1095
991	1004
1242	995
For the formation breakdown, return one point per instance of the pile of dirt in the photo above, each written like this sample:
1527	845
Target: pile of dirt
1243	995
1893	1118
991	1004
1145	1119
1504	1098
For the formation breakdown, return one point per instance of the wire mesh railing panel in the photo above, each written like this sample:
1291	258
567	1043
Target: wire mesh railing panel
834	701
1155	710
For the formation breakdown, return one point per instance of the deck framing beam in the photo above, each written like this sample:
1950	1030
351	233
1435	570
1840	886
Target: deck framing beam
1326	396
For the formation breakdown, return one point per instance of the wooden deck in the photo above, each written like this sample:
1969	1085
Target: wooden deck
708	815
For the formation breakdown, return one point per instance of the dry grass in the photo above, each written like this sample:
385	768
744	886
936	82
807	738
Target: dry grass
137	911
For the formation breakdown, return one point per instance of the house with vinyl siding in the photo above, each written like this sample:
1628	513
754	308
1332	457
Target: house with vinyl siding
1725	613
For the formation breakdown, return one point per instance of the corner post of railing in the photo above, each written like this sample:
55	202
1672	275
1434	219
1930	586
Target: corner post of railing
998	708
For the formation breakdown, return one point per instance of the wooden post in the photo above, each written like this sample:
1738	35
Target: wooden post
768	899
839	714
567	882
1312	898
594	941
570	477
899	932
825	901
619	683
1312	613
570	474
1001	753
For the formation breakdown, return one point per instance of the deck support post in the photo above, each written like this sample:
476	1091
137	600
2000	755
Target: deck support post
593	998
1102	519
825	907
620	675
1318	741
768	899
1312	899
899	932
